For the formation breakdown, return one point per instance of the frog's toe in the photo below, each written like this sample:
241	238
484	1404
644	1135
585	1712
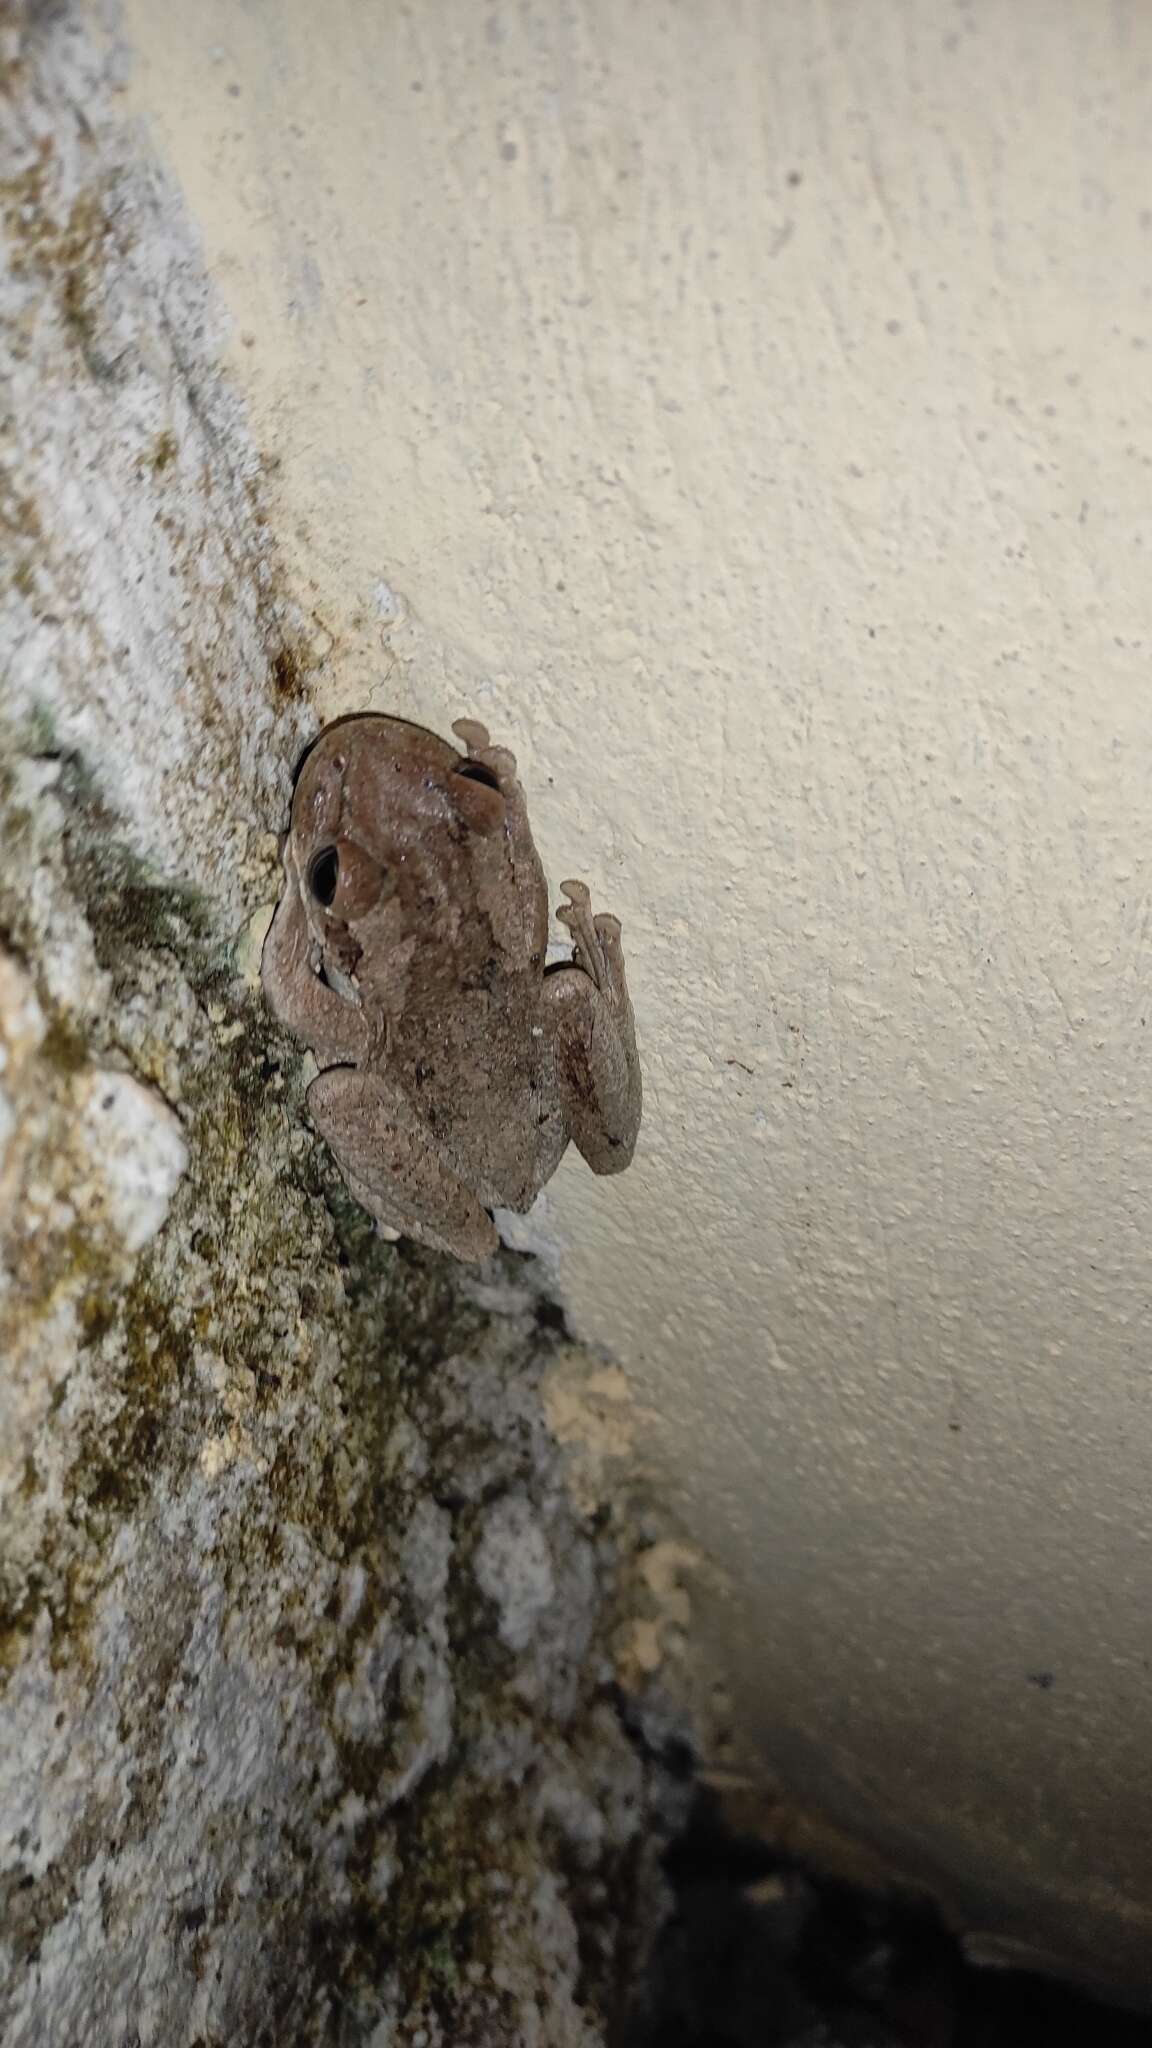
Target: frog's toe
473	734
595	939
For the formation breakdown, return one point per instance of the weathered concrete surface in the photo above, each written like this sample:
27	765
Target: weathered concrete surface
309	1723
745	406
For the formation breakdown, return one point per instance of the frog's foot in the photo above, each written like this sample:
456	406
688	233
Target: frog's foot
587	1014
596	945
499	762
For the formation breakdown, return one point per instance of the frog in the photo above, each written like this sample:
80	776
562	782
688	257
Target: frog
409	954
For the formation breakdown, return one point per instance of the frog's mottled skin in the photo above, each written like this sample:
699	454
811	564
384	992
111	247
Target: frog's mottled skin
407	952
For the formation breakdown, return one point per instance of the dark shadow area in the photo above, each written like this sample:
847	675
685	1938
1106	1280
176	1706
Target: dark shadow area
762	1952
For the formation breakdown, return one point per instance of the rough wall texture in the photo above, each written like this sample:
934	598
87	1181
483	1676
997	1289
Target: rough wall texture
748	403
310	1723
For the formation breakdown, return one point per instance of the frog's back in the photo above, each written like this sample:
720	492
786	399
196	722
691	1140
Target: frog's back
482	1081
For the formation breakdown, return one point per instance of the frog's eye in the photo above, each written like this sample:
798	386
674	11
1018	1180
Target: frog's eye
477	797
475	771
324	876
347	880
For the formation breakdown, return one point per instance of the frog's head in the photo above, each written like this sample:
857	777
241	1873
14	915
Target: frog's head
397	840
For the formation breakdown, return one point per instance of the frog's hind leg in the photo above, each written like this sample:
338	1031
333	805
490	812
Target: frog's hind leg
392	1167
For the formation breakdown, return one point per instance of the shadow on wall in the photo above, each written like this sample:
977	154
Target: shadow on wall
761	1952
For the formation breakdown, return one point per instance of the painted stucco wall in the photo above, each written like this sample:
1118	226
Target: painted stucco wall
747	409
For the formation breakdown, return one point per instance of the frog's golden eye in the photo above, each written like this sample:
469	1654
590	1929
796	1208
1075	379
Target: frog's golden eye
346	880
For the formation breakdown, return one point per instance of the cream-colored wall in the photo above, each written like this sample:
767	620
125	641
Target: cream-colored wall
747	409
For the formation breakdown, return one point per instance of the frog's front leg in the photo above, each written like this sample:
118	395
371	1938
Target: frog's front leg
317	1014
589	1016
391	1165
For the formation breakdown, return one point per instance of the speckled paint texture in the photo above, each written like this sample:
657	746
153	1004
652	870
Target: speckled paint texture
747	411
312	1724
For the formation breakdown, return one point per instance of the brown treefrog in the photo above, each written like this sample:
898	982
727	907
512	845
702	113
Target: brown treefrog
408	952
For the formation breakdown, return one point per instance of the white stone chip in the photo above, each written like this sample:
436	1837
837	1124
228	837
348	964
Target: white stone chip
138	1154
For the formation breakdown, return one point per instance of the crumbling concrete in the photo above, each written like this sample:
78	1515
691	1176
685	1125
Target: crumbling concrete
311	1727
